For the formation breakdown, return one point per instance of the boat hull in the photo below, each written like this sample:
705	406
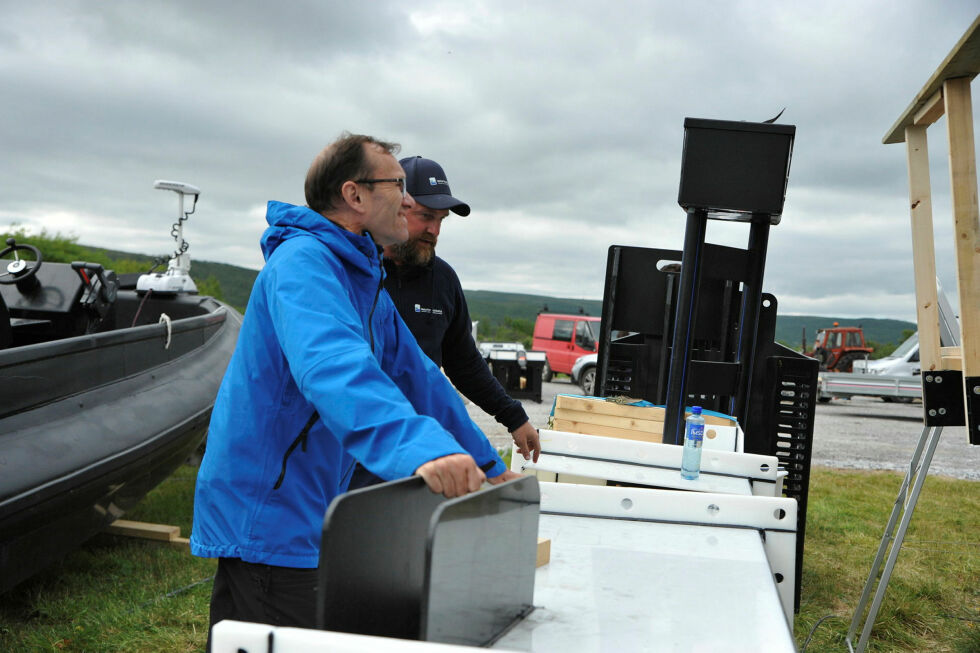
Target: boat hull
89	425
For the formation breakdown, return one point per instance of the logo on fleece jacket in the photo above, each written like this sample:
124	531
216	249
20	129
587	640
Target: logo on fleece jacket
432	311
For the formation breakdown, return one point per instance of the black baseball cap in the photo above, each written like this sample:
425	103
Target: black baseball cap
426	182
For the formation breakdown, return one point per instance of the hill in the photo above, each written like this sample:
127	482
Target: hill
789	328
495	307
495	310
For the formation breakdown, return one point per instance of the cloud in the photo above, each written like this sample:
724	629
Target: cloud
560	123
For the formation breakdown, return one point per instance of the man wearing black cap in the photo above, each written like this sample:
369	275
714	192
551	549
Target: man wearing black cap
428	295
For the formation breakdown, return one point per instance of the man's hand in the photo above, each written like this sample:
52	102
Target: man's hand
506	476
527	440
452	476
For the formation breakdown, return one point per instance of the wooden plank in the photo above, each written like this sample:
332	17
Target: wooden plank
962	61
608	431
952	358
600	419
952	362
966	218
544	552
604	407
923	248
600	406
578	479
931	111
159	532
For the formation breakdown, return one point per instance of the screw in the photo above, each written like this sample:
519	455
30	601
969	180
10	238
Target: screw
942	411
928	378
976	389
939	379
932	412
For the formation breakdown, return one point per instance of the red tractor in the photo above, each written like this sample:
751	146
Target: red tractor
838	347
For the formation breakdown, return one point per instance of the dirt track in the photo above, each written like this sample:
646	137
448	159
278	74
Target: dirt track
858	434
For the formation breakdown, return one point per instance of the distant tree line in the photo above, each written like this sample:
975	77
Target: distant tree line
509	330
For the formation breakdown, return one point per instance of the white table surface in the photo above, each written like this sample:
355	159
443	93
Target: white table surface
643	586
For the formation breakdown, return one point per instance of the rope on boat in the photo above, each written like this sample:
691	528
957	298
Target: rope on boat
142	301
166	319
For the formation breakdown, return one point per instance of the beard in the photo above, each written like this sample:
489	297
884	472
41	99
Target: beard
414	251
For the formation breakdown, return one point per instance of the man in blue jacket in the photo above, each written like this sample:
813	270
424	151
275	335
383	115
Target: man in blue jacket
325	374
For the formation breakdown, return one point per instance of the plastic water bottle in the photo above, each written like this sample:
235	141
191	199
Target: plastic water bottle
693	438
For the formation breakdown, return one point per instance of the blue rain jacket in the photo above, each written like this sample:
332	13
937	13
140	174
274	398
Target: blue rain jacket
318	335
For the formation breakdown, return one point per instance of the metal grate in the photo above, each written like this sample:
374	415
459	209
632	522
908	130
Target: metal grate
791	415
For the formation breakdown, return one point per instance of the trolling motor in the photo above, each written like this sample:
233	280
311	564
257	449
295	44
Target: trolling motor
177	278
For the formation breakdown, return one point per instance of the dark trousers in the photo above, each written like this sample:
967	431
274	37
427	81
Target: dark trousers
361	477
265	594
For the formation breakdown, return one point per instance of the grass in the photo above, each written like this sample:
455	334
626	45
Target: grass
119	594
933	599
112	594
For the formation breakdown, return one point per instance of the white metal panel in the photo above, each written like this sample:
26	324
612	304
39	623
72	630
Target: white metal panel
752	466
763	513
234	636
640	474
238	636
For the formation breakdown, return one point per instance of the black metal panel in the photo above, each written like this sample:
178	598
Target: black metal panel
482	556
57	293
787	431
942	398
735	166
640	299
520	381
972	388
372	559
397	560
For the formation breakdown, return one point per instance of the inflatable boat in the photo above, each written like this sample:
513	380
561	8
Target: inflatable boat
106	387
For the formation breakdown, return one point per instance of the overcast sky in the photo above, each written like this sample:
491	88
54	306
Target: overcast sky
560	123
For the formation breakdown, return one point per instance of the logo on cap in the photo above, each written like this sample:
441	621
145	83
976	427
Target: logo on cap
432	181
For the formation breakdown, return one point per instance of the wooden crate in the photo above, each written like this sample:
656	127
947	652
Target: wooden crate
597	416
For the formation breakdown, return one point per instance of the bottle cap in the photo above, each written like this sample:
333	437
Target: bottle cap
696	410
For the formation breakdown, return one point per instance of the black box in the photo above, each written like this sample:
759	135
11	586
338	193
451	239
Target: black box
738	168
519	372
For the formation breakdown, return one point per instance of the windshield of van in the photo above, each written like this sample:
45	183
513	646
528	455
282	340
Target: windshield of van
905	347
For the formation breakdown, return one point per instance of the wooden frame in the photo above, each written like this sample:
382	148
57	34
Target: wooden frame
946	93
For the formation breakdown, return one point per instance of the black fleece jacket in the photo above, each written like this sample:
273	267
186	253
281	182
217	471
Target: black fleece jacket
430	300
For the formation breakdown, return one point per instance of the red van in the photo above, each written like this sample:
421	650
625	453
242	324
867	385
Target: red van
564	338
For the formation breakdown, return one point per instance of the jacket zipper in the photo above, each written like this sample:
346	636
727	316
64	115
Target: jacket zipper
301	439
377	294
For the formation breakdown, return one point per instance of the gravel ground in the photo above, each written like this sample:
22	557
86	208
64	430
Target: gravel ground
860	433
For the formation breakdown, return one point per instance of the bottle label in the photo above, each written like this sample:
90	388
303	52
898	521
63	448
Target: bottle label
695	432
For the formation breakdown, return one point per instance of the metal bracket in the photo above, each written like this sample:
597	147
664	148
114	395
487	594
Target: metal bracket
942	394
972	387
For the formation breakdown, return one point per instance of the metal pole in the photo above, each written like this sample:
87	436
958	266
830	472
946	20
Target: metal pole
751	301
928	440
605	337
697	220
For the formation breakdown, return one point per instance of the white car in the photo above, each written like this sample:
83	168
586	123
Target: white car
583	373
904	361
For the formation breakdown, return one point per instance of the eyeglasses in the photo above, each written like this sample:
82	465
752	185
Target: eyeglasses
401	181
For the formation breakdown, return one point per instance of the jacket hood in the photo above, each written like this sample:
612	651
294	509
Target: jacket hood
289	221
